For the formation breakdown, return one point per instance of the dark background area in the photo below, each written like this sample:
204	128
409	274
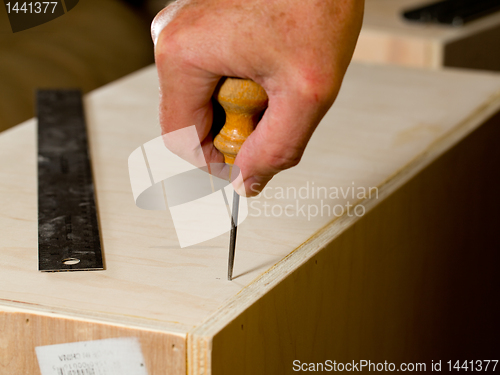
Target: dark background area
95	43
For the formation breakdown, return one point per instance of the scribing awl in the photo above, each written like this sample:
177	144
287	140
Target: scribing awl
243	101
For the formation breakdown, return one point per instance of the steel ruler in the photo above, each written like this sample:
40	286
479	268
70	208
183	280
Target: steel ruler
68	227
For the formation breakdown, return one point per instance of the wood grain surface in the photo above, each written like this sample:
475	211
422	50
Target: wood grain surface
387	125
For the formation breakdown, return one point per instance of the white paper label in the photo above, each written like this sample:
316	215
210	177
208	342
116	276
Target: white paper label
122	356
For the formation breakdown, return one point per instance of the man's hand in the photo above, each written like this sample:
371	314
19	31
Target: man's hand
297	50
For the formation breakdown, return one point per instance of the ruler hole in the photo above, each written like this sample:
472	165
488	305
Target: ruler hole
71	261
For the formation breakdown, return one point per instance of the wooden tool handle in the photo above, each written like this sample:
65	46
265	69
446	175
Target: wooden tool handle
244	101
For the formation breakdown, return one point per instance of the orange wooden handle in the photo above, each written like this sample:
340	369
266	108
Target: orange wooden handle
244	101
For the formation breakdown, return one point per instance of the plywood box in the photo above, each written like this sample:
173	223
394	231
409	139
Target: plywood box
410	273
388	38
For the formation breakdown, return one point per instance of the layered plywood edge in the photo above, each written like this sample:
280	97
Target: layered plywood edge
388	126
386	37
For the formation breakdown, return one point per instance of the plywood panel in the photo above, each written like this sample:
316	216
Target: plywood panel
387	38
386	126
415	280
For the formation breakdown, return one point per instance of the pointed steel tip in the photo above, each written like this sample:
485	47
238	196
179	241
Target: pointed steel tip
230	265
232	239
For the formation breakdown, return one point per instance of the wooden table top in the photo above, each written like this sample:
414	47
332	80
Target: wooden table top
386	125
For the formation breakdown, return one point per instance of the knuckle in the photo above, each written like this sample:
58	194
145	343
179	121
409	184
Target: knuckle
169	32
169	45
316	85
174	48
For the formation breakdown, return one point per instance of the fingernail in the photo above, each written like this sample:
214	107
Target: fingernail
239	186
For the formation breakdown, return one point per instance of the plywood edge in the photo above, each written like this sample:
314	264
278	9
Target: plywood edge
434	55
97	317
405	30
199	342
382	47
199	359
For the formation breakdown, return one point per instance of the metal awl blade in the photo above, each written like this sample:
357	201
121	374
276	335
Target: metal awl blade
232	240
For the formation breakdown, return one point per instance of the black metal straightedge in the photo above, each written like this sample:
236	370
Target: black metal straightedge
68	231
